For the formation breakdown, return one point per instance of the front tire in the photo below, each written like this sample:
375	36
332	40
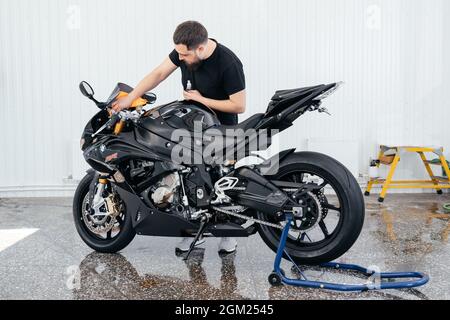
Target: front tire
113	245
351	210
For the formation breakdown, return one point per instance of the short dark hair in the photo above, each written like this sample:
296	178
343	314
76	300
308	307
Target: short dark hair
191	34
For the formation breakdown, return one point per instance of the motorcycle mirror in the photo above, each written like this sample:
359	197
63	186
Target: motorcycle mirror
86	89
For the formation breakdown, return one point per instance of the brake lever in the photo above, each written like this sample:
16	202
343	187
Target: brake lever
114	118
108	124
101	129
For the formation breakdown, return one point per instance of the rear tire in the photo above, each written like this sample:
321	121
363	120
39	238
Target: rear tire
114	245
352	209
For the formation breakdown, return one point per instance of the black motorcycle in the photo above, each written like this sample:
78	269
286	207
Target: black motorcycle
136	187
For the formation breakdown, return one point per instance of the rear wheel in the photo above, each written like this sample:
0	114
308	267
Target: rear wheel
104	225
333	214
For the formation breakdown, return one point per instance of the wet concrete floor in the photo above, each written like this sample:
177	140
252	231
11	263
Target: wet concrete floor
48	260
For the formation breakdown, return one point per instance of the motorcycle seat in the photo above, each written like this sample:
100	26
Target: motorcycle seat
293	93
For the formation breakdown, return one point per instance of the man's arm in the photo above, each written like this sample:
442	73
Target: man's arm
235	104
151	81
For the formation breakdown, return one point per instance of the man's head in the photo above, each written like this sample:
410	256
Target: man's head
190	40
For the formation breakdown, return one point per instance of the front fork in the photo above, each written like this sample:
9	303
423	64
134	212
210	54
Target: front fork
97	198
101	186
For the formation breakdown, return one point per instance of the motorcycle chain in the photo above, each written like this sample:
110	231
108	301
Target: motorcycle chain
241	216
265	223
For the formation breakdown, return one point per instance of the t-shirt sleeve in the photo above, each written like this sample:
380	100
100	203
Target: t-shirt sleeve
234	79
174	58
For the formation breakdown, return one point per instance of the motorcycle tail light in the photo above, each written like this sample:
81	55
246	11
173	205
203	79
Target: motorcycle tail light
330	92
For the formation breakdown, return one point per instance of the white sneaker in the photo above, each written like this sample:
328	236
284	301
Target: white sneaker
185	244
227	245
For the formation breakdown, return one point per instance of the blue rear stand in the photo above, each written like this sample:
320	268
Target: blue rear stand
278	276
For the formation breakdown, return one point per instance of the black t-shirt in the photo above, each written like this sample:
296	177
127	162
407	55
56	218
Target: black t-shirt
218	77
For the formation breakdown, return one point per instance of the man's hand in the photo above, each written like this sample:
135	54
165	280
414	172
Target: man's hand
122	104
193	95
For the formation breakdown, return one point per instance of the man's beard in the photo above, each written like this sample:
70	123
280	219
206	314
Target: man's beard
194	66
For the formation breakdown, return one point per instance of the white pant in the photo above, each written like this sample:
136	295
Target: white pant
226	245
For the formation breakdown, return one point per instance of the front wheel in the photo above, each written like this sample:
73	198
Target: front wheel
100	216
333	214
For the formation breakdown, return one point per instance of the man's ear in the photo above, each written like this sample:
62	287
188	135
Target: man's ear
201	50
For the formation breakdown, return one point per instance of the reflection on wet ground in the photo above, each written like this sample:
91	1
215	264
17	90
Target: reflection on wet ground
406	233
117	270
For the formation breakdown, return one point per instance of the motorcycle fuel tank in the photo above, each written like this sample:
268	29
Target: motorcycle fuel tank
185	115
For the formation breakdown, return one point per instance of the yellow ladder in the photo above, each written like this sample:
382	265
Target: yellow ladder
393	153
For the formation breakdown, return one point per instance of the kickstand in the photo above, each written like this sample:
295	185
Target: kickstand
200	232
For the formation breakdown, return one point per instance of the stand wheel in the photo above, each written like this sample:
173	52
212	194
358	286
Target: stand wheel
381	200
440	192
275	279
367	193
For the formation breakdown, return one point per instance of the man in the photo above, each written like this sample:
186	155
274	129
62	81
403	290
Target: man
211	74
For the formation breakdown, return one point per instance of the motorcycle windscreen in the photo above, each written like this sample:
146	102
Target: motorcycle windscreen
124	88
120	87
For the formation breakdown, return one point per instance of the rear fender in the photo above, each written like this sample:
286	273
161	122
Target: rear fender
270	167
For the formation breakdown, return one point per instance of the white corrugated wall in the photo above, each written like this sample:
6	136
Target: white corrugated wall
393	55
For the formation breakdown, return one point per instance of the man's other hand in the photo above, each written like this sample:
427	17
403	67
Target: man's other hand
193	95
